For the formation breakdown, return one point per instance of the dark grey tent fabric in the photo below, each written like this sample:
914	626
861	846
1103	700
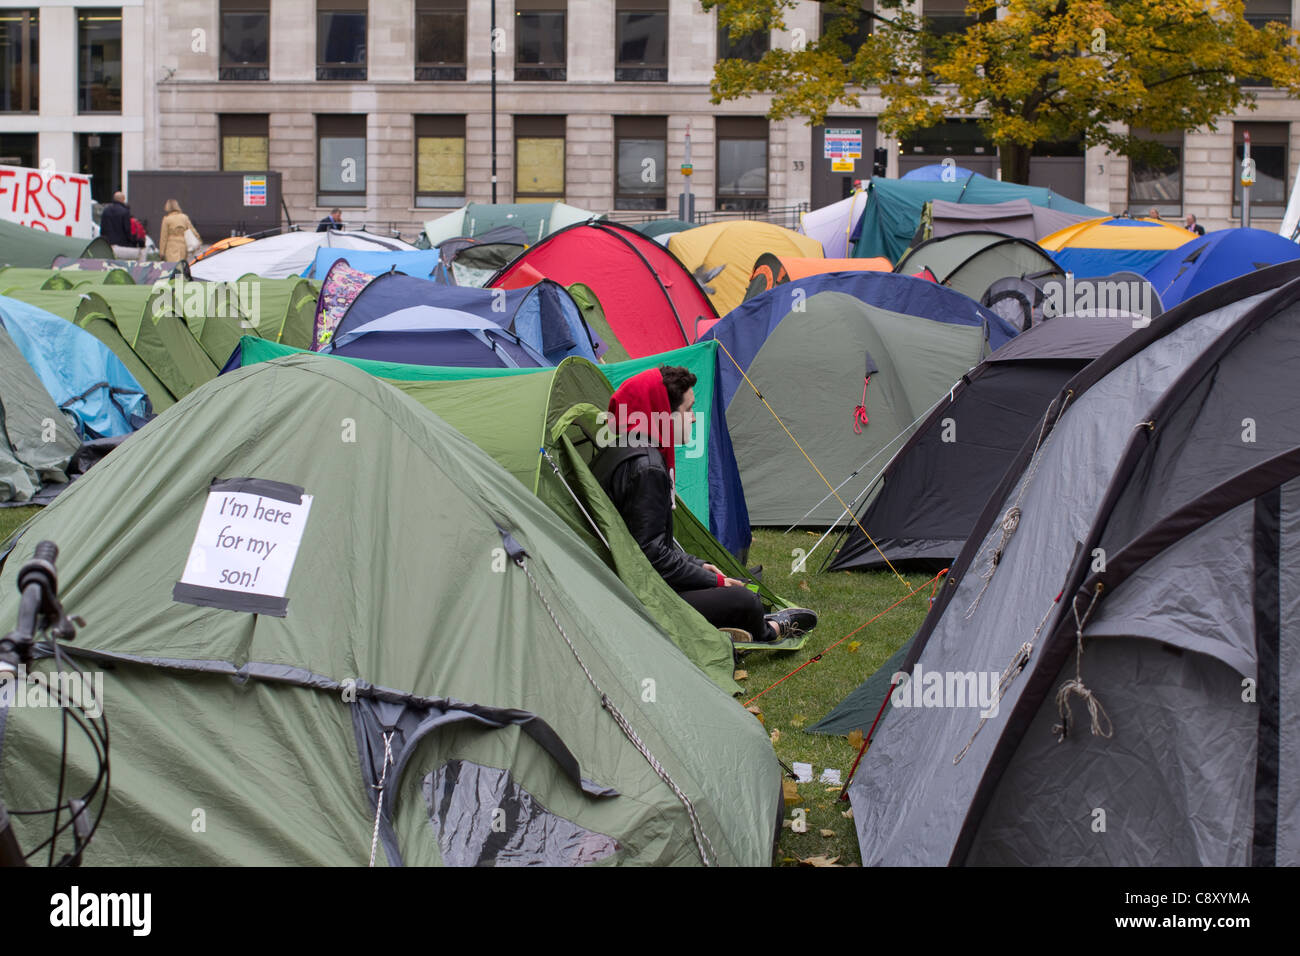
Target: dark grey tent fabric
1016	217
933	490
1174	451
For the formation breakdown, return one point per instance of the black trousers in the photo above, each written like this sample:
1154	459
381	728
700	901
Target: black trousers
730	607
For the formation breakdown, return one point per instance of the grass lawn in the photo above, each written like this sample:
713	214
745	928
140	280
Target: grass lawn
844	602
12	518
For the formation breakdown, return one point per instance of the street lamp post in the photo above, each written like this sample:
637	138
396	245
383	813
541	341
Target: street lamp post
494	101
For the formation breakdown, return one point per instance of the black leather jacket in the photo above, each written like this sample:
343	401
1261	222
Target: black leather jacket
636	480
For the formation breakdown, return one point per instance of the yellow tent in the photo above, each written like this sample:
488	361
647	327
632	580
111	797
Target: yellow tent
734	247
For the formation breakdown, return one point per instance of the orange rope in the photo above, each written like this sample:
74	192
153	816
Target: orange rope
814	660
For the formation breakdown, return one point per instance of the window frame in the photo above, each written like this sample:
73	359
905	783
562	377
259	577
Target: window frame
541	128
638	129
542	71
83	15
243	71
29	83
742	129
439	126
1275	134
255	125
640	72
354	198
329	71
436	70
1137	205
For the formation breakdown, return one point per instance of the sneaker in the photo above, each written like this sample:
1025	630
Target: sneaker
737	635
793	621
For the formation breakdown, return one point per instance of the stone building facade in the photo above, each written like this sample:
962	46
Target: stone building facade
383	107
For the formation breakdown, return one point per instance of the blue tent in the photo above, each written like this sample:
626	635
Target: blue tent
745	328
80	373
543	315
937	173
1216	257
425	335
421	263
894	208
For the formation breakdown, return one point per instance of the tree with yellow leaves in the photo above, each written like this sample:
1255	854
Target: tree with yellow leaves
1030	71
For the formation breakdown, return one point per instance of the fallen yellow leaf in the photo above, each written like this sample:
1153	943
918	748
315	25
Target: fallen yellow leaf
776	735
853	646
803	586
828	833
741	675
855	739
847	814
790	790
818	861
798	720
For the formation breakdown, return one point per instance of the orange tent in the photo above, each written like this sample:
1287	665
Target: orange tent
771	270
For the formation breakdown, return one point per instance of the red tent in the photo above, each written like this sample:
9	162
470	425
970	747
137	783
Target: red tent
651	301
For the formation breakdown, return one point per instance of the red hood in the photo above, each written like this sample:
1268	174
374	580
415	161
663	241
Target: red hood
640	407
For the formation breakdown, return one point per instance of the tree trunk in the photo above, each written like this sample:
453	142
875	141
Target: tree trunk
1015	163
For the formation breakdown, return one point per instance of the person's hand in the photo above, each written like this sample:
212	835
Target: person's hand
713	569
732	583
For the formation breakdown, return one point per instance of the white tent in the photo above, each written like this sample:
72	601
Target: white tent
832	225
288	254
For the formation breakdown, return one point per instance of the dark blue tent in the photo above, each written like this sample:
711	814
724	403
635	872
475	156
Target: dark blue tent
745	328
543	315
425	335
1214	258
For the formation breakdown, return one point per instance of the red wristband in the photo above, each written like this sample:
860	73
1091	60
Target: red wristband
722	581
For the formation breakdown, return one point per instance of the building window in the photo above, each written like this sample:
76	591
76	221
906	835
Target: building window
340	39
641	145
439	161
100	158
1158	184
1268	148
855	32
945	22
750	47
245	142
99	60
1259	14
539	158
341	160
19	57
18	149
953	137
642	41
440	39
245	40
742	163
540	38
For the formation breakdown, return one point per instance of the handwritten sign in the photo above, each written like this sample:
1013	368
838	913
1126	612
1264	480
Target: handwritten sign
245	547
50	201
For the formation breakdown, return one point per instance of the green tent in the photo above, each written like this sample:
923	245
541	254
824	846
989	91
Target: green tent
512	413
970	262
218	313
159	335
811	371
36	440
21	246
15	277
92	313
594	315
444	632
894	208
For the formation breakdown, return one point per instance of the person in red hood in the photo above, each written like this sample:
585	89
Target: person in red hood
650	414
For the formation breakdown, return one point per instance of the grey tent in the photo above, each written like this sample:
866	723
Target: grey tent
36	441
1016	217
933	490
1134	583
1024	301
970	262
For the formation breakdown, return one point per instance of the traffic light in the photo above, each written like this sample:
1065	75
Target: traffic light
880	163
